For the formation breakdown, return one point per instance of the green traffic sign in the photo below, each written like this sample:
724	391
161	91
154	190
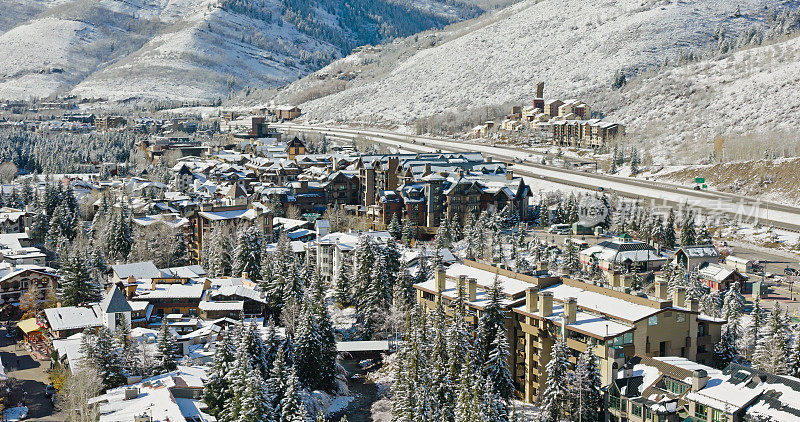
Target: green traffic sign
699	180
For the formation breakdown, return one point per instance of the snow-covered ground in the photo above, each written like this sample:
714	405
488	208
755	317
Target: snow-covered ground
574	46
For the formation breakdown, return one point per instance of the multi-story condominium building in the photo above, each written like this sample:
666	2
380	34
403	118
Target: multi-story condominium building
542	309
229	218
593	133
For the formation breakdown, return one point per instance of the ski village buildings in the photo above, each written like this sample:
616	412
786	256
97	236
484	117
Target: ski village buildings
654	351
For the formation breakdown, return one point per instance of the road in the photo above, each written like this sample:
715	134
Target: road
30	380
661	193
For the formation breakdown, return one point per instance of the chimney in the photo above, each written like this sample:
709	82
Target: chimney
462	285
679	296
661	289
546	307
152	284
509	174
531	299
694	305
541	266
245	275
699	379
472	289
131	393
540	90
570	310
440	277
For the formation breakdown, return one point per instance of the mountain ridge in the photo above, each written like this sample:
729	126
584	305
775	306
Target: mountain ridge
192	49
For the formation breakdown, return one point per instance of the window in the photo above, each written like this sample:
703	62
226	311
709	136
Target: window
653	320
680	317
701	330
718	416
675	387
636	409
176	310
700	411
613	399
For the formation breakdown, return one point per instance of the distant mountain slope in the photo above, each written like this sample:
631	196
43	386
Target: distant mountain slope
750	99
192	49
576	47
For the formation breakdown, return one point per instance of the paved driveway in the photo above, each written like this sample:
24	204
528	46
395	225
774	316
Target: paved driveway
30	380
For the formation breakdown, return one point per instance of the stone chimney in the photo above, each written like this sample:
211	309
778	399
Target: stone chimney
570	310
509	174
546	303
699	379
472	289
661	289
679	296
694	305
462	285
440	277
541	265
245	275
531	299
540	90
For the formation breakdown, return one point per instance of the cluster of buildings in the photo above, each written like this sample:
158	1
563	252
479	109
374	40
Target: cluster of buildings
653	351
567	122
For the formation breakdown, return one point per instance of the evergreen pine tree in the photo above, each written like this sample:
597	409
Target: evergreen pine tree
704	236
77	285
105	357
586	384
292	408
395	229
343	287
725	349
468	401
166	349
497	370
217	253
39	228
247	253
254	404
669	230
793	368
753	331
493	407
688	235
491	322
556	395
733	304
315	345
278	380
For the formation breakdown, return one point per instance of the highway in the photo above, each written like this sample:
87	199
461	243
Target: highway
660	194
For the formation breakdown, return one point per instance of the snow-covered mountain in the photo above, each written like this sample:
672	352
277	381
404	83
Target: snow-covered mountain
576	47
750	99
192	49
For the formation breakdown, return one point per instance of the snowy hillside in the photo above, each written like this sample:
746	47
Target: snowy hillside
574	46
192	49
750	99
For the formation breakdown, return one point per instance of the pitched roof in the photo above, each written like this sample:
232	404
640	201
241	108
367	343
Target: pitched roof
114	302
136	269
